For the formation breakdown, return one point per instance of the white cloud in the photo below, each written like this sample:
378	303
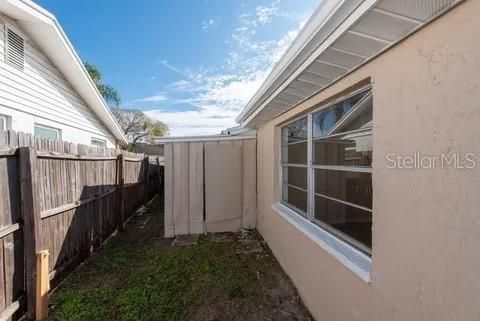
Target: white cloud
218	95
158	97
217	101
182	85
172	68
209	24
189	123
265	13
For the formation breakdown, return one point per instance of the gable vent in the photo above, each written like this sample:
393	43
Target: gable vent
15	50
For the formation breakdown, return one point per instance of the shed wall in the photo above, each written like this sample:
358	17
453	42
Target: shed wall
210	186
426	224
223	185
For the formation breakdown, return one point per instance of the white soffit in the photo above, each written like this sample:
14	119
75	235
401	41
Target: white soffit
353	33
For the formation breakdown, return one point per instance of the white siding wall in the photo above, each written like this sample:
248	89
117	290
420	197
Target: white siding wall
40	94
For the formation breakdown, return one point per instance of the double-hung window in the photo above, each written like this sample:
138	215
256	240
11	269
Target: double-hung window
327	168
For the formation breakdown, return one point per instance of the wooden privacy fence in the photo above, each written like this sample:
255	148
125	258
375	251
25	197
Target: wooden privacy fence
60	197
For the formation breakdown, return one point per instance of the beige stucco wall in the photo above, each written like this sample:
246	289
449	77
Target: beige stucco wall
426	229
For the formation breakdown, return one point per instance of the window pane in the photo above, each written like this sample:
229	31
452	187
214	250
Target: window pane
354	149
295	153
295	176
3	123
294	132
295	197
352	187
98	143
352	221
360	118
46	132
324	120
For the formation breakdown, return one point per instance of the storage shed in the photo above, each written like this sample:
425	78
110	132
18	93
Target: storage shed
210	184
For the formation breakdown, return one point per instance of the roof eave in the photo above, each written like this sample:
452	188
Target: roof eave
318	70
321	15
47	33
205	138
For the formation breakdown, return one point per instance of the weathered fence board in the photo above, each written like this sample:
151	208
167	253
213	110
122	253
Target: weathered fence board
180	198
169	192
60	197
31	222
195	184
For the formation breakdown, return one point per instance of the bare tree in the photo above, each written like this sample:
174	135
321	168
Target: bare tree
138	127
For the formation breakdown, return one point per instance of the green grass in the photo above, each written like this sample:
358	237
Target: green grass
138	276
130	282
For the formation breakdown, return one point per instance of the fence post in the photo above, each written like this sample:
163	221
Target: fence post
31	223
121	190
43	285
145	180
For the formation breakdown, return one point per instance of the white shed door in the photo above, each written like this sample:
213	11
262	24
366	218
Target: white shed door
223	186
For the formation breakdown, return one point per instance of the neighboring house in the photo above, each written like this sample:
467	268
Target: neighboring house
363	233
44	88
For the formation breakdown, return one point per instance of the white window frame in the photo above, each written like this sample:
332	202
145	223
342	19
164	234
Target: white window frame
103	141
57	130
4	120
342	247
306	166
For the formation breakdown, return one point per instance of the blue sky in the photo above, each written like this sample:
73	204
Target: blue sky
190	63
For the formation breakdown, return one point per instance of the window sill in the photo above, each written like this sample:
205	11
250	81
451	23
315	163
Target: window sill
351	258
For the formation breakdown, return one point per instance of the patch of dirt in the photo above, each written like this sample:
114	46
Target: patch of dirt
186	240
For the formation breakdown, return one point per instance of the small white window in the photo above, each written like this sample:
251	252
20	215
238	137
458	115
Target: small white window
47	132
15	53
3	122
99	142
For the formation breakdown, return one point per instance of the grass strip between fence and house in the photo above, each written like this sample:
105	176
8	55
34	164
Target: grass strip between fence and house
138	275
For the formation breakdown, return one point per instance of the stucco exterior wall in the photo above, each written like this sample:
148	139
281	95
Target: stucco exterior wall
426	222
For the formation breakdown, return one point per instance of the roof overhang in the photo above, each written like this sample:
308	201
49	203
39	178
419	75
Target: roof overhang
341	36
44	29
206	138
